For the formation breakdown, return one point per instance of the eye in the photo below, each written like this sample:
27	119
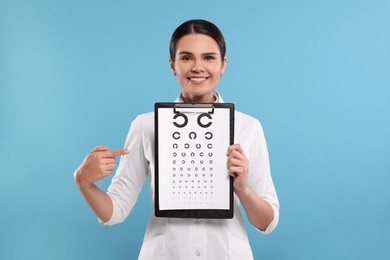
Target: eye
209	58
186	58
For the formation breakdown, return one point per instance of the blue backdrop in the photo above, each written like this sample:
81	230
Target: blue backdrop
74	74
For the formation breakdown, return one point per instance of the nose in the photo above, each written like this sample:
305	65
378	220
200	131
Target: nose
198	67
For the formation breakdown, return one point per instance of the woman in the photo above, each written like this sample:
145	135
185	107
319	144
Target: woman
197	59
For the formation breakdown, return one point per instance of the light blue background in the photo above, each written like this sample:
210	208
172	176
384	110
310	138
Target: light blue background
74	74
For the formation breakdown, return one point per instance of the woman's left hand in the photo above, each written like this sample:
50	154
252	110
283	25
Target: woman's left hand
237	165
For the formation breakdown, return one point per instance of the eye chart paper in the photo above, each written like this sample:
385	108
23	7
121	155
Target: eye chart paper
191	177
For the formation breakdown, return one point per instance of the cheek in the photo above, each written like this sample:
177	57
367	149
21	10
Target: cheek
217	74
181	70
217	70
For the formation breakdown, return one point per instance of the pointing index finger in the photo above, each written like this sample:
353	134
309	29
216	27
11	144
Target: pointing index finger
114	153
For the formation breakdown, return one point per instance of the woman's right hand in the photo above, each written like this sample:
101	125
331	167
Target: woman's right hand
99	163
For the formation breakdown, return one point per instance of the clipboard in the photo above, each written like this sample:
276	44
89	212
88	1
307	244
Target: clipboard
191	177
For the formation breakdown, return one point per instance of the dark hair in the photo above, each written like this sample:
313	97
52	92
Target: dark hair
197	26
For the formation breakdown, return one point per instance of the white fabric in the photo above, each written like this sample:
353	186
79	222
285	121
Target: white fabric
176	238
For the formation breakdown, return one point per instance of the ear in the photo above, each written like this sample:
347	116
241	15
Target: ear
172	65
223	67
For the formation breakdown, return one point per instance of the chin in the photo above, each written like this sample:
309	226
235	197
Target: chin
200	91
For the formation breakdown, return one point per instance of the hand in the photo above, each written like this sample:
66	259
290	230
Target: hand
237	165
99	163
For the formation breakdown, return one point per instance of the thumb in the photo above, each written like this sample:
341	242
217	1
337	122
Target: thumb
99	148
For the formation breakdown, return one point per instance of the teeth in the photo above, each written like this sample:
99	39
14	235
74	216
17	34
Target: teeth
197	79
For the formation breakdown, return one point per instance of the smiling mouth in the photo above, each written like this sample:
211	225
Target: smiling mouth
197	79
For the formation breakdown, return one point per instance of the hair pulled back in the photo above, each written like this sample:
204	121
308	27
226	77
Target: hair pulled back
193	27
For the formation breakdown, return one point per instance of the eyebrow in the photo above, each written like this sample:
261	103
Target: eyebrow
203	54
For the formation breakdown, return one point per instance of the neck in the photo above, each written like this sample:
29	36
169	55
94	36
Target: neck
200	99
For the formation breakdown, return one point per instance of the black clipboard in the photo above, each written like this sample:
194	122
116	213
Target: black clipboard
191	177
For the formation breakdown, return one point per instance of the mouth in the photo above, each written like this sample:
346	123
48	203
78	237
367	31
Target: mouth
197	79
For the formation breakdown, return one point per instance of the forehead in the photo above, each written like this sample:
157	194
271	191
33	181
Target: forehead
197	43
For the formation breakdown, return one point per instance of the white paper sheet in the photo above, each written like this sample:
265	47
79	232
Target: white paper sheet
192	159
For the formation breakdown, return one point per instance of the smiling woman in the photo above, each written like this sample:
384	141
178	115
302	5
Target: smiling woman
198	67
197	59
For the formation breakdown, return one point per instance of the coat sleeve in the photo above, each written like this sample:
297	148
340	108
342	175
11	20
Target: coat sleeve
259	177
130	176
